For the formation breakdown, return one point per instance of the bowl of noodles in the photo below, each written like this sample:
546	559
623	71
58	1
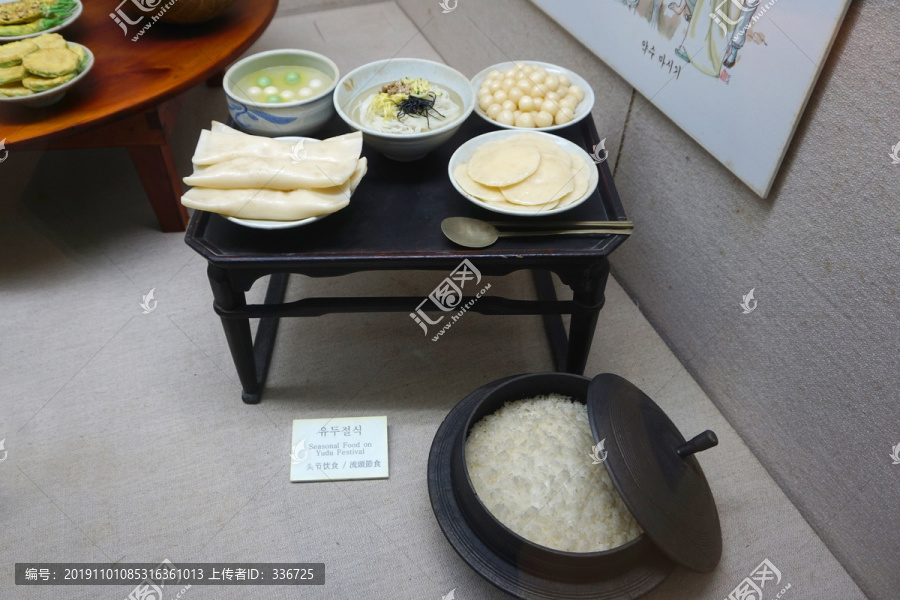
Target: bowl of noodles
404	107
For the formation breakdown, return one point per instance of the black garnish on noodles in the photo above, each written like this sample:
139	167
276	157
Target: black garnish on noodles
418	106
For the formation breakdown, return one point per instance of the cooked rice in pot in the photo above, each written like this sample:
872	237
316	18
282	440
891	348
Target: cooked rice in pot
530	465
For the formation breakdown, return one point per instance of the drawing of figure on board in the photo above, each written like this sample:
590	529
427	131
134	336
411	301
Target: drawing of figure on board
714	31
713	42
654	12
739	35
686	5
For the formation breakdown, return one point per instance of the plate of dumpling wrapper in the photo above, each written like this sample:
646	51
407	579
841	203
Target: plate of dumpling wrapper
523	174
273	183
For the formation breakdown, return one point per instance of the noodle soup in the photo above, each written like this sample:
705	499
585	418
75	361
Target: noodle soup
406	106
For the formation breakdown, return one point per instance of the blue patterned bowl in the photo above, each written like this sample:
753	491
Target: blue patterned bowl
300	117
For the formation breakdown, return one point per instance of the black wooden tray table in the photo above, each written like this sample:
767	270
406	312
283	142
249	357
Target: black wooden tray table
393	223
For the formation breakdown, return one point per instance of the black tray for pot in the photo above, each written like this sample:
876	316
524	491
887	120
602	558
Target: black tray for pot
511	563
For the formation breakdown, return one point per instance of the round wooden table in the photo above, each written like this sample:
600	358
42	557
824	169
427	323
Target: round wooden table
128	98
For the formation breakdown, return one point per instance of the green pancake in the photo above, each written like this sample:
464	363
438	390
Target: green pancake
12	74
14	91
51	62
12	54
49	40
42	84
79	52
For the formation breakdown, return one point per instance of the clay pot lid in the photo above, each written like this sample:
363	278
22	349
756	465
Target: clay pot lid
654	469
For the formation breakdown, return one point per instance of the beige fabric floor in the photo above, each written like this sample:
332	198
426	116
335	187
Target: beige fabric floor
127	440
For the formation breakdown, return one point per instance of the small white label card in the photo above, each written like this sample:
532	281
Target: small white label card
338	449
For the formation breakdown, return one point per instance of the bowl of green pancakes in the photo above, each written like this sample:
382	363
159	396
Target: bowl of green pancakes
38	71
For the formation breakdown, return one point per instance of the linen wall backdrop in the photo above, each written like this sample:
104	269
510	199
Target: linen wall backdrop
734	74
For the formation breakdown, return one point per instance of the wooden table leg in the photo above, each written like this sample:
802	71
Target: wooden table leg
237	332
588	294
251	357
216	80
156	168
553	323
146	135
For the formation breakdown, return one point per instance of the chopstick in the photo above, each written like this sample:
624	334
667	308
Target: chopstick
552	224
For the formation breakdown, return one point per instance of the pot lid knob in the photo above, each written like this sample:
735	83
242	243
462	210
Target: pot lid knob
698	443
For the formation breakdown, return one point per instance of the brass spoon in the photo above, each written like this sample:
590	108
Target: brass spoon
475	233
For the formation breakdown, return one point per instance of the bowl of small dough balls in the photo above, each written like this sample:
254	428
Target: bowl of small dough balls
531	95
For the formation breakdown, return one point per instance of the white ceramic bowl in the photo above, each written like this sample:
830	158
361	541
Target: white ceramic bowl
53	96
300	117
69	20
464	153
581	111
410	146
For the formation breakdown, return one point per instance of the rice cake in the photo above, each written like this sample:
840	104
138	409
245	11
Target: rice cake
580	186
523	208
499	164
472	187
273	173
223	144
542	143
552	180
275	205
12	54
51	62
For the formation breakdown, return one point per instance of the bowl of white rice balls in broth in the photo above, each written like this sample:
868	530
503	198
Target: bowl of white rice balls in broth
538	506
404	107
527	94
285	92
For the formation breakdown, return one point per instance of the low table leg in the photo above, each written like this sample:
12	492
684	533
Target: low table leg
237	332
250	360
265	336
553	323
588	289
